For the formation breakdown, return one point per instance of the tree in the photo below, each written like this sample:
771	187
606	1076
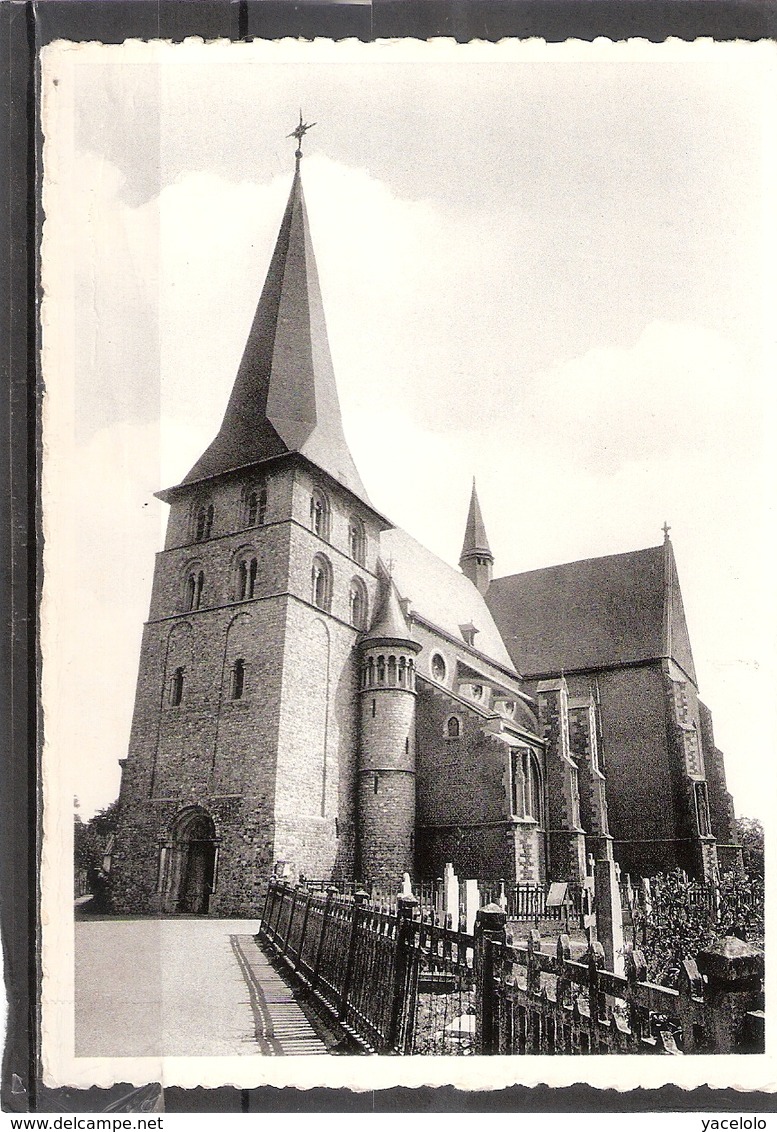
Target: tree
750	832
90	839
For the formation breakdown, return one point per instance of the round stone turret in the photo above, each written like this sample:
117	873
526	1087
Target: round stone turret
386	772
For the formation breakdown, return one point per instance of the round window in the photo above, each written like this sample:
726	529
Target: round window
438	667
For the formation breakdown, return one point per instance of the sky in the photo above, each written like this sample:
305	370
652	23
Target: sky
554	274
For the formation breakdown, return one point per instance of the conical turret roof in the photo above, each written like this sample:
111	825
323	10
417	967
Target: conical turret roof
475	539
284	398
389	623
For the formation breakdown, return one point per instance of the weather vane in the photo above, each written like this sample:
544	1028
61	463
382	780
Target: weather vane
299	132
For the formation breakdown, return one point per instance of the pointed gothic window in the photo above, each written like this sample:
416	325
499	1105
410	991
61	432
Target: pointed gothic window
357	542
256	507
453	728
321	583
319	514
358	603
525	785
176	687
532	787
238	679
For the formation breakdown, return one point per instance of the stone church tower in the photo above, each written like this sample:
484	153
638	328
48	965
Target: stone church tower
244	735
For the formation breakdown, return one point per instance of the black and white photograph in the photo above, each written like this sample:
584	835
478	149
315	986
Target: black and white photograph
408	621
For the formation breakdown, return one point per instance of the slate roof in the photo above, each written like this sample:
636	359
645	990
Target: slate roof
390	623
598	613
441	594
284	398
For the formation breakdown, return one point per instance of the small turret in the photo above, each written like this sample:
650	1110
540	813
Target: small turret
386	775
476	560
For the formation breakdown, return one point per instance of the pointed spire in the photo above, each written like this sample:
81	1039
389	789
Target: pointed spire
476	560
284	398
389	622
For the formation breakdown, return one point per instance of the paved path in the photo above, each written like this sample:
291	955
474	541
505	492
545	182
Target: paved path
183	987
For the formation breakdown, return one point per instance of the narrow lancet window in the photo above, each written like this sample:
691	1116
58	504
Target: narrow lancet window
321	583
176	687
319	514
356	540
238	679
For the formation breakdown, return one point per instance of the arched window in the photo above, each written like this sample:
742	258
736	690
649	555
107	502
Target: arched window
453	728
247	570
319	514
358	604
357	543
321	588
256	506
381	670
525	785
438	667
532	787
204	522
176	687
238	679
194	584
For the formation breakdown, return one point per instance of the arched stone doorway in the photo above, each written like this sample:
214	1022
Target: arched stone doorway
192	858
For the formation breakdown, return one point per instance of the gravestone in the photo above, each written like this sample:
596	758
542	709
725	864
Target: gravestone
471	905
450	889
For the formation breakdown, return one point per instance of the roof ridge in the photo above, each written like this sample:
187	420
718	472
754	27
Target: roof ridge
578	562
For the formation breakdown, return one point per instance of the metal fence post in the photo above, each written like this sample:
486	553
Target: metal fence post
263	918
489	934
331	892
403	967
307	897
264	923
359	898
287	941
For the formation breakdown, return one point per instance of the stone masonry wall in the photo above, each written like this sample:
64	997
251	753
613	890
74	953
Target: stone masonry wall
463	797
642	795
298	707
386	782
722	815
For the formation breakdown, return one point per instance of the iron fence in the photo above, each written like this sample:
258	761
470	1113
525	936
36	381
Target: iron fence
399	982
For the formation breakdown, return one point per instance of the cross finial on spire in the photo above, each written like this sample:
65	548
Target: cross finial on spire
299	132
666	529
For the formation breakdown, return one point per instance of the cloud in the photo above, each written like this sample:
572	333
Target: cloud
679	388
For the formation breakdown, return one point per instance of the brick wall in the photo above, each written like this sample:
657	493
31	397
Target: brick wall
386	779
464	798
722	815
275	769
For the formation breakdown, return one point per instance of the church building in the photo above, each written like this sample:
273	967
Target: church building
318	689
